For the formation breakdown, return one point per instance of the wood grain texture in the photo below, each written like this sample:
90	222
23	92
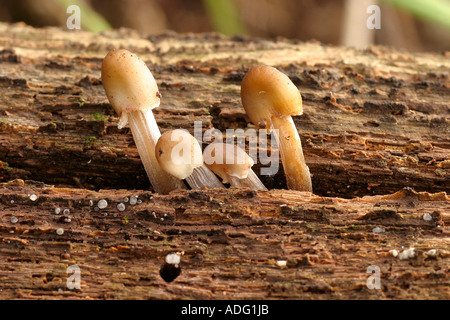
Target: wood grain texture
233	244
375	134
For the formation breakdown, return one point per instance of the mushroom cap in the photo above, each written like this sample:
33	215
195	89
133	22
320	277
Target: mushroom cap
267	92
128	83
178	153
227	160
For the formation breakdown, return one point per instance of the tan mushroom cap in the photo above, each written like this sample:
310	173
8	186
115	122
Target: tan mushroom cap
178	153
128	83
267	92
227	160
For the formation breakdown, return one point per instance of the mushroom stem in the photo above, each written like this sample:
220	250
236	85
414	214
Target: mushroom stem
146	134
252	181
203	177
290	147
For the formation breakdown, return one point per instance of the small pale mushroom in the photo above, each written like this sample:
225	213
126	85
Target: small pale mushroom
180	154
232	164
270	99
133	93
171	269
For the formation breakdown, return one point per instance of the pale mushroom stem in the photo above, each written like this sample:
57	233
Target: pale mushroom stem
252	181
290	147
146	134
203	177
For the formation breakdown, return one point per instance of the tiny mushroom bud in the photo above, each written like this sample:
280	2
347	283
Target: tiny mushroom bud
232	164
133	93
171	269
270	100
180	154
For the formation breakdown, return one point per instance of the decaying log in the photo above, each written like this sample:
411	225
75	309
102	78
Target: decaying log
239	244
374	121
375	133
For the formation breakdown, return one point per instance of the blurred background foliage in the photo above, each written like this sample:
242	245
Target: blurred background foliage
416	25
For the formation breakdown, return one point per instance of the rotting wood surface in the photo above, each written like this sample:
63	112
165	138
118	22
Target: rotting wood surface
234	244
375	133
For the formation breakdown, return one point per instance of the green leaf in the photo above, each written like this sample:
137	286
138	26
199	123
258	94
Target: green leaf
436	11
224	16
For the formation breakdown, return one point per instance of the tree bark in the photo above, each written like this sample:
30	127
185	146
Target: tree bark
375	134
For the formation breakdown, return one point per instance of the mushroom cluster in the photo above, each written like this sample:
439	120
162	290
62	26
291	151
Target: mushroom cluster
270	100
